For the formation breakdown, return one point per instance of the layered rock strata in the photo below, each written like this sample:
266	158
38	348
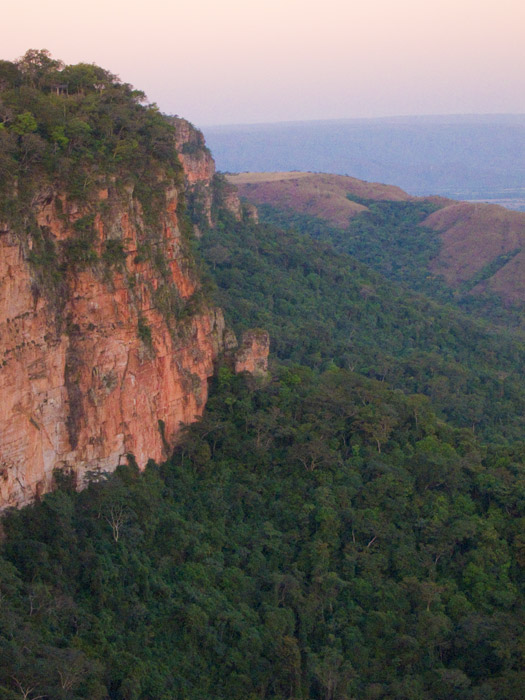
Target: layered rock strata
114	358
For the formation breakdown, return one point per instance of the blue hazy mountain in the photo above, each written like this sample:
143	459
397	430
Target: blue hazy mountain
477	157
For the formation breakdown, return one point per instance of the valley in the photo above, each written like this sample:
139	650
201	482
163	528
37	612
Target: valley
477	250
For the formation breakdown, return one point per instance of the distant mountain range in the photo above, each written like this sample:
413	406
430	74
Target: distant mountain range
472	157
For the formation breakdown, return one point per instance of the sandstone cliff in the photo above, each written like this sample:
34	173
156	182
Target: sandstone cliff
108	358
204	189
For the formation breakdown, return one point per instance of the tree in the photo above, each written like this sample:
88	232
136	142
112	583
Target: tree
38	67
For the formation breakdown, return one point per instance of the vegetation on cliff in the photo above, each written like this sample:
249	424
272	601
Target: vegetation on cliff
98	284
77	125
67	134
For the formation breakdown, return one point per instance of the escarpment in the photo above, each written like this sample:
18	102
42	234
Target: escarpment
107	339
205	190
109	364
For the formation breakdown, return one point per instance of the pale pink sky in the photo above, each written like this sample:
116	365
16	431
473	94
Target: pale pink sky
236	61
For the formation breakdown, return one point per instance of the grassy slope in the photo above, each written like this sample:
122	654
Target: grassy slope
473	236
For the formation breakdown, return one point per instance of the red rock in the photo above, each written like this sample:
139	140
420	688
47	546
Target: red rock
199	167
95	370
252	355
79	388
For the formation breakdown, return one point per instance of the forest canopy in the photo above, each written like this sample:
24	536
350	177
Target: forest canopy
75	124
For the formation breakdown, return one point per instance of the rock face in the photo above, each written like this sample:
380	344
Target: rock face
196	159
203	188
252	354
117	356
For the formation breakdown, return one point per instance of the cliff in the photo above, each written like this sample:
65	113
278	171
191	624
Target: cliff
205	191
106	338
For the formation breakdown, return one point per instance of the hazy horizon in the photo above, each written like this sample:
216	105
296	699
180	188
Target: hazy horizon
491	117
291	60
474	157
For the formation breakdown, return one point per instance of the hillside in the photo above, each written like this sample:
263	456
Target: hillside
483	245
315	194
322	306
323	534
479	247
321	195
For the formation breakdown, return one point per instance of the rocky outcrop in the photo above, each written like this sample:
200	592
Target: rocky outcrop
229	200
107	352
111	363
199	167
204	189
252	354
106	340
196	159
250	213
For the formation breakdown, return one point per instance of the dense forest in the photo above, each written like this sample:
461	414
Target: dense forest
322	306
349	527
391	239
319	537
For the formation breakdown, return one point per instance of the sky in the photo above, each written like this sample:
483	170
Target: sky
251	61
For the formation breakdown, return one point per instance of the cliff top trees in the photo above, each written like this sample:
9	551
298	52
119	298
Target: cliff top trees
78	120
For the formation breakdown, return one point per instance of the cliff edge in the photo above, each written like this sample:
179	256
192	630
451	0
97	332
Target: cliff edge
107	338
